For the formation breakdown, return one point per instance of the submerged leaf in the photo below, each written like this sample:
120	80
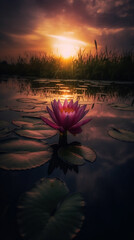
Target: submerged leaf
122	134
48	212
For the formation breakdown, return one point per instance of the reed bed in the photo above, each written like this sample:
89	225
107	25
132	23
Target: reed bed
103	65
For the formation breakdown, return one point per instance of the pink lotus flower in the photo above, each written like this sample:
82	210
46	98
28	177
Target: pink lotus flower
66	117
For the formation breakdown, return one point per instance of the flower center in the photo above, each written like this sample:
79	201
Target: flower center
67	110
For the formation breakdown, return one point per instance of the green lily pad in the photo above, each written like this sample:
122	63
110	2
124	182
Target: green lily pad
32	116
30	119
30	100
123	107
21	123
121	134
3	108
17	154
49	212
4	132
86	152
26	109
36	115
29	125
65	154
21	145
76	154
36	134
3	124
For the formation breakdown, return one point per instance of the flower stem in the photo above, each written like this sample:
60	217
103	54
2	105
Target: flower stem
63	138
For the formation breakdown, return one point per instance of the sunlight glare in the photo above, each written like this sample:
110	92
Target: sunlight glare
65	50
66	47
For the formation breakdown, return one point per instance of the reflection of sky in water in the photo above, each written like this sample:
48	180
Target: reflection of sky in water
105	184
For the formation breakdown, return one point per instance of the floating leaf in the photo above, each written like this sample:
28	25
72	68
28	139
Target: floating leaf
37	134
48	212
21	123
56	162
3	124
15	145
86	152
23	154
121	134
30	125
65	154
3	108
4	132
75	154
30	100
123	107
27	109
36	115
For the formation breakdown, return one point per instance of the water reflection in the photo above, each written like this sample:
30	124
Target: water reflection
56	162
106	184
47	89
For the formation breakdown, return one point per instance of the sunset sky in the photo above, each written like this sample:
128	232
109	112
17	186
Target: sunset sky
56	25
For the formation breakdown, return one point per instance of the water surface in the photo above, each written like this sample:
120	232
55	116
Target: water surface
106	184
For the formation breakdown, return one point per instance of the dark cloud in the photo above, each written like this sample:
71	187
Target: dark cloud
122	40
19	17
104	13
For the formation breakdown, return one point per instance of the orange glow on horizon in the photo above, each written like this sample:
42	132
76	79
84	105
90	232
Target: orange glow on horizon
66	47
65	50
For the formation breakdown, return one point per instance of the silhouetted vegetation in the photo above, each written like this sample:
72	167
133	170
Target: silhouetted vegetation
105	65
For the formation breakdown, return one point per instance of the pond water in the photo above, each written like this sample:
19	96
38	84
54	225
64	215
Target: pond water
106	184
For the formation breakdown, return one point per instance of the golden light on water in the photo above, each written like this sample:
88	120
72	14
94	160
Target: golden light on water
66	47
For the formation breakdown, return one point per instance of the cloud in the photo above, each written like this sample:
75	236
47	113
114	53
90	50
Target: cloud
106	21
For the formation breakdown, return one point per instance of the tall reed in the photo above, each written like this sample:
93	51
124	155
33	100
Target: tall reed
103	65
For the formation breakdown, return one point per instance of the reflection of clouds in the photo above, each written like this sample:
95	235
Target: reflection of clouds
110	158
87	178
105	111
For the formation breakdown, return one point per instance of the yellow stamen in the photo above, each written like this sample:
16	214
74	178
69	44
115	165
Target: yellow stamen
67	110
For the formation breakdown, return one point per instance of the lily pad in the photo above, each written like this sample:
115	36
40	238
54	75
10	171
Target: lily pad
29	125
121	134
3	124
26	109
36	115
49	212
30	100
36	134
30	119
3	108
17	154
4	132
123	107
76	154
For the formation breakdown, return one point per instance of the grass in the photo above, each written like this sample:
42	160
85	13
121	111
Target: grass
103	65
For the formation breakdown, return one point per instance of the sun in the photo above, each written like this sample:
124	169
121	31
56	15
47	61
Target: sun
65	50
66	47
